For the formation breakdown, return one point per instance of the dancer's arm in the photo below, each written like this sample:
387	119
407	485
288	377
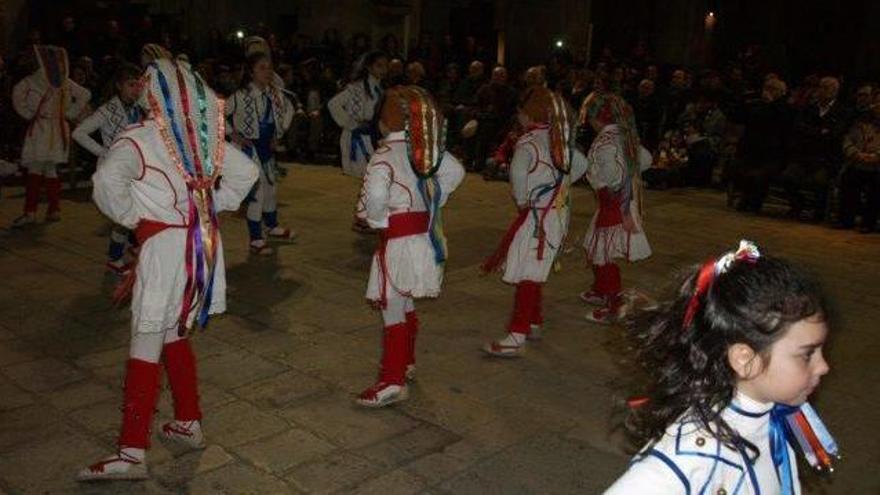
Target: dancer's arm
117	169
239	175
83	132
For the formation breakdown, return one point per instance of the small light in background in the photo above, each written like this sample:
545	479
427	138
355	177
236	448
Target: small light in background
711	14
559	43
239	34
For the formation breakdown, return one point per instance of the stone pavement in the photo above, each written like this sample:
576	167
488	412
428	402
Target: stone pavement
280	369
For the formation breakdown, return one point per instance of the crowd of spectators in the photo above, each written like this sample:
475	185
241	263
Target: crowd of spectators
813	145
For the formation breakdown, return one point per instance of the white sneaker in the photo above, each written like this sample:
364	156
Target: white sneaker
410	372
24	221
116	467
508	347
119	267
281	233
382	394
187	433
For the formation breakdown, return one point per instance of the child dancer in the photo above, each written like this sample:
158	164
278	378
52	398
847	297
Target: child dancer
110	119
260	114
731	360
407	184
616	160
353	109
47	99
167	179
545	164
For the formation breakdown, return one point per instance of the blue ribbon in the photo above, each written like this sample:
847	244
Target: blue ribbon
357	143
432	202
779	433
172	122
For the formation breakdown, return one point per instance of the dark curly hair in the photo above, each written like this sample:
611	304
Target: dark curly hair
687	369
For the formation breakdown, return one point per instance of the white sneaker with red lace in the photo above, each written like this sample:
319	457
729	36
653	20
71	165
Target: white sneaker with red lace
382	394
124	465
593	298
603	316
514	345
187	433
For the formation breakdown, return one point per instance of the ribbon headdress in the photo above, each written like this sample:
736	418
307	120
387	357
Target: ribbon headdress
191	124
609	108
412	110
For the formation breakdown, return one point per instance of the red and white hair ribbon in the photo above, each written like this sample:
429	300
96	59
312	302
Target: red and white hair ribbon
712	269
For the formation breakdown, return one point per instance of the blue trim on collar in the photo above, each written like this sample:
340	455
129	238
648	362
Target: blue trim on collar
733	407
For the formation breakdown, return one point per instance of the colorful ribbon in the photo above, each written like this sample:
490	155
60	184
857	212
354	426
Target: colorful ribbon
710	270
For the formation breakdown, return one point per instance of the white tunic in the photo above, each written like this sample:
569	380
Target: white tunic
688	460
532	171
247	105
47	109
110	119
135	181
353	109
390	186
607	168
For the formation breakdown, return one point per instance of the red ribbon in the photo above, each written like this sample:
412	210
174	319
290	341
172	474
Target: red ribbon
500	254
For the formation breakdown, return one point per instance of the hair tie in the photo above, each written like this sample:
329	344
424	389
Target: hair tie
711	270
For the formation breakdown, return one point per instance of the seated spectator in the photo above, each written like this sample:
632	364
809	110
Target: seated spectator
861	147
646	107
671	159
863	102
416	76
761	154
496	103
817	148
395	76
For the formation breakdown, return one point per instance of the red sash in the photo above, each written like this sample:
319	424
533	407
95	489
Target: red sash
399	225
144	231
500	254
609	209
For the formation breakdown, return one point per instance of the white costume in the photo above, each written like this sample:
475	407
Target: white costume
48	109
167	181
607	169
533	179
110	119
262	117
353	109
391	187
688	460
136	181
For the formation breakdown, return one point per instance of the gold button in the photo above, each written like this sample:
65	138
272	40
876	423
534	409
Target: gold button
701	441
721	491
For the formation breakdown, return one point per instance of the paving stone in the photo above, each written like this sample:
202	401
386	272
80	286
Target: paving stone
237	478
81	394
49	464
409	446
178	472
297	344
281	452
235	369
239	423
43	375
12	396
337	419
398	482
282	391
336	472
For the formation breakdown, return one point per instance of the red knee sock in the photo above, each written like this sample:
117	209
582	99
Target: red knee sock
53	192
395	351
141	394
412	324
607	280
180	367
537	317
32	192
525	301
